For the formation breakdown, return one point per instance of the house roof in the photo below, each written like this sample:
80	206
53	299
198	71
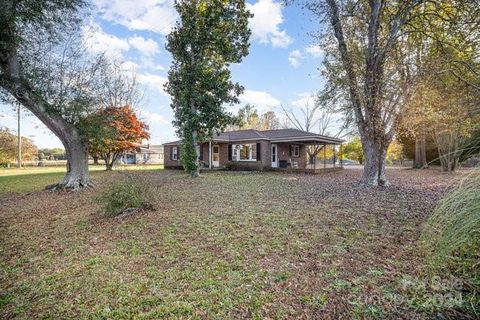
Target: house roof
277	135
241	135
150	148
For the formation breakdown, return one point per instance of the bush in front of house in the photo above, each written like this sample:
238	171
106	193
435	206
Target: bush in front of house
125	196
452	238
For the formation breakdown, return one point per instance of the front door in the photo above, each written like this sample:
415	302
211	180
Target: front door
216	156
274	156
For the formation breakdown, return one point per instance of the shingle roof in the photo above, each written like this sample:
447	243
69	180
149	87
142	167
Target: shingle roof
242	135
283	133
298	134
271	135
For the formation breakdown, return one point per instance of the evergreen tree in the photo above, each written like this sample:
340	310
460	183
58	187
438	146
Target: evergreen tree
210	35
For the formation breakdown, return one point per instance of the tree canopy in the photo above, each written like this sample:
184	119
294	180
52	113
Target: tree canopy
248	117
112	131
374	54
8	147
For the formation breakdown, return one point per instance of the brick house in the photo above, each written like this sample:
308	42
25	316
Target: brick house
253	150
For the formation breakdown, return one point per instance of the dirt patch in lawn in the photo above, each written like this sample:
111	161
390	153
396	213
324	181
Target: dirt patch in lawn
225	245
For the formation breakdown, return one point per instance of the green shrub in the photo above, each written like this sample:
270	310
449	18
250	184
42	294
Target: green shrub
452	238
128	194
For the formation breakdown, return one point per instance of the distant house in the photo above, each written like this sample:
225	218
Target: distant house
253	150
147	154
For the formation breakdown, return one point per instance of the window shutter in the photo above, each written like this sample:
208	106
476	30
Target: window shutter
290	150
201	153
229	152
259	152
171	152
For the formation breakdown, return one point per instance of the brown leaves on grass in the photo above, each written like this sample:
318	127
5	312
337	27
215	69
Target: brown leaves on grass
225	245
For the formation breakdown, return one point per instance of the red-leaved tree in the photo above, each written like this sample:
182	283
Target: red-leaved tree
112	131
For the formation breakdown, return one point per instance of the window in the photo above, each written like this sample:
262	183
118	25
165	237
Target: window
247	152
244	152
296	150
174	153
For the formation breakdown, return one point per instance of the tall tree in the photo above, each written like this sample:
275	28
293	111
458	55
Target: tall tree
441	107
248	118
8	147
112	131
210	35
119	87
368	65
371	63
440	52
45	76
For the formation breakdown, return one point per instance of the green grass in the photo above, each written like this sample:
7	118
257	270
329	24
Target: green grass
452	238
223	246
30	179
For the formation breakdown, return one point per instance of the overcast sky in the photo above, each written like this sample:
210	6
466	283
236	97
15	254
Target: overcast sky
281	69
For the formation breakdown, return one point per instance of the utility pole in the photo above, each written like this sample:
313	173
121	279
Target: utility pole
19	151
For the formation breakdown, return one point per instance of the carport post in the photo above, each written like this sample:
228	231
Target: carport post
325	156
341	155
210	154
334	155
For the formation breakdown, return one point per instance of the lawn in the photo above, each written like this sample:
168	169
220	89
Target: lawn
225	245
36	178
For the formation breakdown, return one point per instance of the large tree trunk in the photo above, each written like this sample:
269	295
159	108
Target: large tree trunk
12	80
372	118
420	160
77	165
374	162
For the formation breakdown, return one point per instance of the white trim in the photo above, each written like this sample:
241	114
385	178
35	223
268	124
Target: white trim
250	152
